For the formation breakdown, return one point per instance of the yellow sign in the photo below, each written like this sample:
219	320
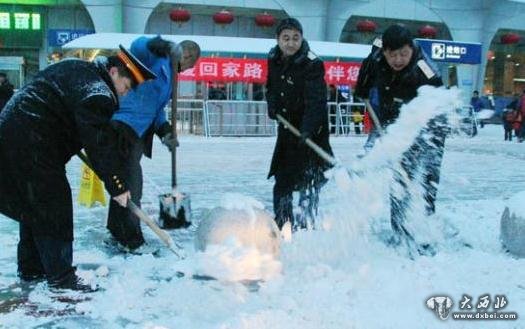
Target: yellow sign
91	188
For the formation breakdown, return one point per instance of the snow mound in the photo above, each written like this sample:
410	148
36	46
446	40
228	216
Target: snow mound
238	241
250	229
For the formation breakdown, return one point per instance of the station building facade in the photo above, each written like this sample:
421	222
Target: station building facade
35	29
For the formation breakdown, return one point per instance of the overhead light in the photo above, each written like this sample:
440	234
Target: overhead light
519	79
517	64
493	57
509	55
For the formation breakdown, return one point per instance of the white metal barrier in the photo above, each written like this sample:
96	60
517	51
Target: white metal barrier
250	118
237	118
346	118
189	116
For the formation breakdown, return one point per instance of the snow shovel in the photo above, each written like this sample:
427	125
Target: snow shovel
175	207
165	237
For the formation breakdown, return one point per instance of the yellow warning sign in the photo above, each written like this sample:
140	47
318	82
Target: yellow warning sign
91	188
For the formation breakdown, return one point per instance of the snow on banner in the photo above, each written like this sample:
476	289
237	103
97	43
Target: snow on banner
255	71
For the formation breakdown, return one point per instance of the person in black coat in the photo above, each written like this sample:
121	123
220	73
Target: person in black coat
6	90
296	90
389	77
65	108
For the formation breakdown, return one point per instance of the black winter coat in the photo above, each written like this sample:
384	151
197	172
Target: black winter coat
65	108
388	89
296	89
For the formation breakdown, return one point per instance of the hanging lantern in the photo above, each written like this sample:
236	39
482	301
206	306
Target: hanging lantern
427	31
510	38
264	20
366	26
223	17
180	15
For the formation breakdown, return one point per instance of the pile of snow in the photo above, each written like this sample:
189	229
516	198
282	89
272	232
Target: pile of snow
513	225
361	201
239	241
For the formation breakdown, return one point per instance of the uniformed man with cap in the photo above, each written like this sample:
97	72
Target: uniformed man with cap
296	90
65	108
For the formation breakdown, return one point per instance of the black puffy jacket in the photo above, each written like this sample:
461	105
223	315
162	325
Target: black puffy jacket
387	89
65	108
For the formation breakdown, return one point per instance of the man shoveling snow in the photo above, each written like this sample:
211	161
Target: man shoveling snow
390	77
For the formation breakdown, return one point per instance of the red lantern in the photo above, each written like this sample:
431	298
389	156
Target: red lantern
223	17
264	20
366	26
427	31
180	15
510	38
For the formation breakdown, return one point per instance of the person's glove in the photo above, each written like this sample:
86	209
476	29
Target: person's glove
167	138
272	112
304	136
170	141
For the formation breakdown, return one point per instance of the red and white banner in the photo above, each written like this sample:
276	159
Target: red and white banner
227	70
255	71
341	73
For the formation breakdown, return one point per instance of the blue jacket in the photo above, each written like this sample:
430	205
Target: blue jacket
143	107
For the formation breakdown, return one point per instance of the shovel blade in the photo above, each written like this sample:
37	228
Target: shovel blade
175	211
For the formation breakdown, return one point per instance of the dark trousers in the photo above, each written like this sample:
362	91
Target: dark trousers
45	257
421	164
508	134
42	204
123	225
283	203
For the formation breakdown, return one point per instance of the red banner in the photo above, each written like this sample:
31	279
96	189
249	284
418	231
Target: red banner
341	73
227	70
255	71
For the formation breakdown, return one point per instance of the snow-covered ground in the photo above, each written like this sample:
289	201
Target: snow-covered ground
339	276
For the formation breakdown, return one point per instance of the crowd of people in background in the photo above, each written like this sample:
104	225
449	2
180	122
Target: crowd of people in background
512	118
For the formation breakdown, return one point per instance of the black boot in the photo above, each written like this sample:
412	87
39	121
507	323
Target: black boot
57	256
69	280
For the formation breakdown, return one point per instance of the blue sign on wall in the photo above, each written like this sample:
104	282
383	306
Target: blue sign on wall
451	51
59	37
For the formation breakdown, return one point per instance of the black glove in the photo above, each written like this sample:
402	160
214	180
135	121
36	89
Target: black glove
304	135
170	141
272	112
167	138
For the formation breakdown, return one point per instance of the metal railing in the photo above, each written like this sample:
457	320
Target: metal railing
237	118
346	119
250	118
190	116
